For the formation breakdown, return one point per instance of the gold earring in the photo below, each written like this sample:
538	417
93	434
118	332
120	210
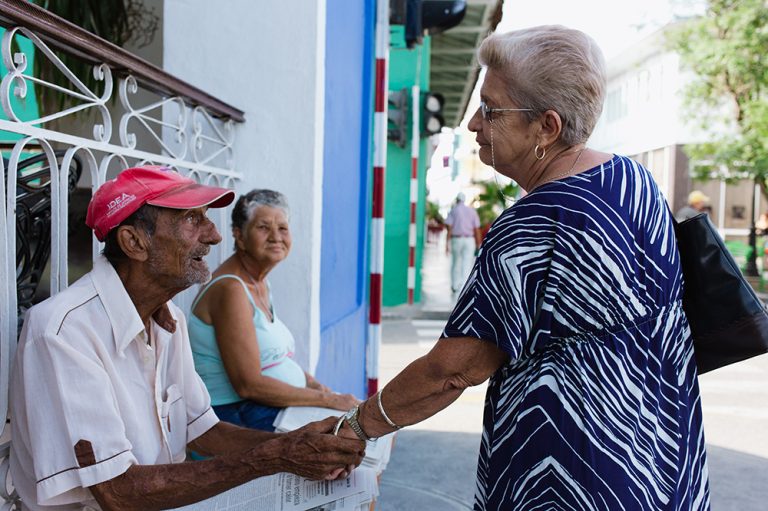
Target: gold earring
536	152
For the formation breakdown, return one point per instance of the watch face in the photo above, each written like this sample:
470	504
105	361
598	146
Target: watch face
351	414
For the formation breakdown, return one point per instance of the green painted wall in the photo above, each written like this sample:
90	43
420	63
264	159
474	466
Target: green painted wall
407	67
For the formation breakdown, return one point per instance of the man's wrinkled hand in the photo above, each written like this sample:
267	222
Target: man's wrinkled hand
324	426
340	473
313	453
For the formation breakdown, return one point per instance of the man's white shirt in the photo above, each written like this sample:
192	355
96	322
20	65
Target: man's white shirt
91	395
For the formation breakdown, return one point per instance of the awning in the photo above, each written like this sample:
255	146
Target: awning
453	65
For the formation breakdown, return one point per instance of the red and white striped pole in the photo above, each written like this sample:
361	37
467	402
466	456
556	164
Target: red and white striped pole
377	217
415	136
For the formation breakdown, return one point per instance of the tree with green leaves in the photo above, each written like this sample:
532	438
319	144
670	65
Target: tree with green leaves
726	51
494	198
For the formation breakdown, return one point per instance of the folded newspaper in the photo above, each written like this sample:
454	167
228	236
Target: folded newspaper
289	492
293	417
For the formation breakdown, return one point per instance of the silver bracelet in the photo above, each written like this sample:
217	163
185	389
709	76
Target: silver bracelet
383	413
338	425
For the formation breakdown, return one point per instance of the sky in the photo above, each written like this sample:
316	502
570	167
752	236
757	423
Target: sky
614	24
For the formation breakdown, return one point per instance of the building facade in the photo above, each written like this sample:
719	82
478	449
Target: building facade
644	117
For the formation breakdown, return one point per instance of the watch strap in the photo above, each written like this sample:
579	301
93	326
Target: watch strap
352	420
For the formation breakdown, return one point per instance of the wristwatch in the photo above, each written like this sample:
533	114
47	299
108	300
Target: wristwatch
351	417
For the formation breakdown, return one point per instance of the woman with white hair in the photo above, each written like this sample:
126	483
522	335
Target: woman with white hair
573	308
241	349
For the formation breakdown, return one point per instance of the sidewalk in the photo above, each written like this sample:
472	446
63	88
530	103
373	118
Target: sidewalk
433	463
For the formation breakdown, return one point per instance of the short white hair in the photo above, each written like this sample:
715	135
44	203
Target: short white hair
242	212
551	67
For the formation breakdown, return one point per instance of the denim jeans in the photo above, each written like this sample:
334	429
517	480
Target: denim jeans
248	415
462	259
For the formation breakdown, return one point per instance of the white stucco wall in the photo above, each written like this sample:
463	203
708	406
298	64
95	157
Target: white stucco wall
267	59
651	83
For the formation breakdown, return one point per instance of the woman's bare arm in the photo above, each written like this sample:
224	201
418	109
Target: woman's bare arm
431	383
231	314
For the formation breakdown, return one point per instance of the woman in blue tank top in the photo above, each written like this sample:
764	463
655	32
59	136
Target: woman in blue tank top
242	350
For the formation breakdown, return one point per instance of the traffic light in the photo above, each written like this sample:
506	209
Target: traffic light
417	17
432	113
397	117
437	16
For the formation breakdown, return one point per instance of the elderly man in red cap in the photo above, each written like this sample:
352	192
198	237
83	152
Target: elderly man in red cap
104	396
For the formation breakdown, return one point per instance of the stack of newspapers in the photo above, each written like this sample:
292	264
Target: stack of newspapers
284	492
289	492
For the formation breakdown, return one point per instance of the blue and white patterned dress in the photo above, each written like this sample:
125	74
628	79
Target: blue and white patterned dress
598	407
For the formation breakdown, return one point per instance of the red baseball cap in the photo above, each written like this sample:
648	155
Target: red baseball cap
155	185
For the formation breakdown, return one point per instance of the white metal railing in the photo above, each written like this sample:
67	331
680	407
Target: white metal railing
186	129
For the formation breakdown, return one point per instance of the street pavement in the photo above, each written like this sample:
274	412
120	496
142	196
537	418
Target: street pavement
433	463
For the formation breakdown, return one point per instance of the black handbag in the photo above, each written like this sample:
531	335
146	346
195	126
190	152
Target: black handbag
729	323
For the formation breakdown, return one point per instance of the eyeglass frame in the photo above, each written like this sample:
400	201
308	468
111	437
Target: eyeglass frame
487	112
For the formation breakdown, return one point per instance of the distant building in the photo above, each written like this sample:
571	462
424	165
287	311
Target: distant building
643	118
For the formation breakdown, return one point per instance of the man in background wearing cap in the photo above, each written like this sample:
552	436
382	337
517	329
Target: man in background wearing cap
463	240
104	396
697	203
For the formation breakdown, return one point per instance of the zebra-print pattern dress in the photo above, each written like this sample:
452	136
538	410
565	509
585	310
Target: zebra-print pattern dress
598	407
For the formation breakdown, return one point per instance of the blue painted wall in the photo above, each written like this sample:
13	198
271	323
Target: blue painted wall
349	89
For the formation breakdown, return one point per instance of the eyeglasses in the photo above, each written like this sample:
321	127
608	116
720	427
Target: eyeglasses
488	111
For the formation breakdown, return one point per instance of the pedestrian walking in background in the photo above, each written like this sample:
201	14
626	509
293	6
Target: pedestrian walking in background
463	240
697	203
